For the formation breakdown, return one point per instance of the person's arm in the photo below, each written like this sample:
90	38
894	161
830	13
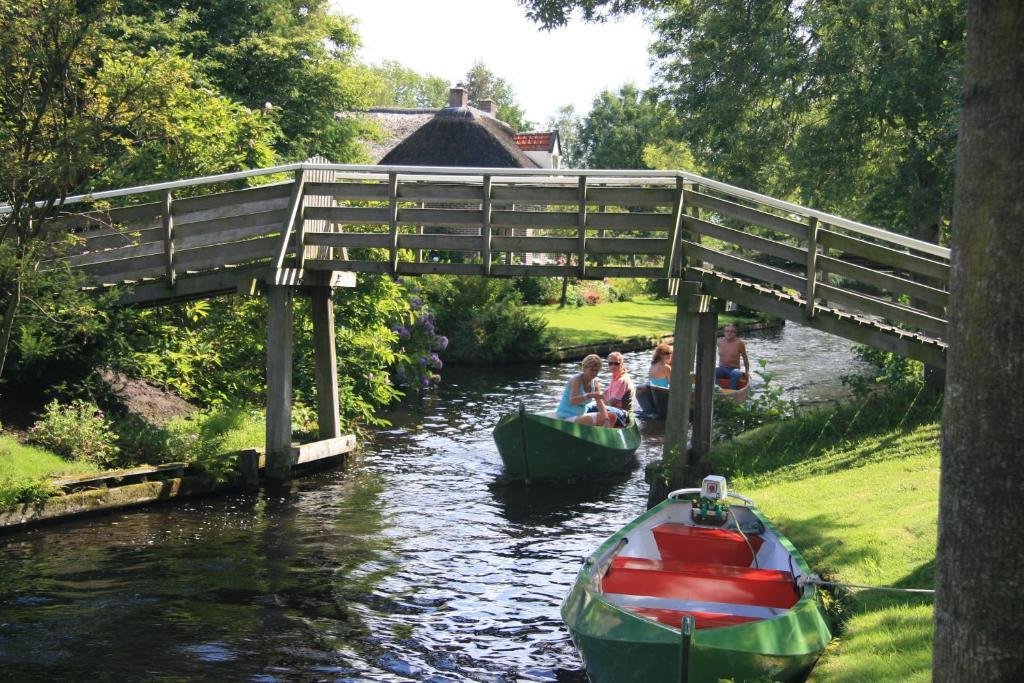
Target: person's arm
575	397
746	361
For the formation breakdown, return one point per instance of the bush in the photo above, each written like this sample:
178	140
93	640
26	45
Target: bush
483	319
764	406
18	492
76	430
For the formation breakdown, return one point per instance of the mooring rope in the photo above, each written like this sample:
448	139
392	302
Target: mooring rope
818	581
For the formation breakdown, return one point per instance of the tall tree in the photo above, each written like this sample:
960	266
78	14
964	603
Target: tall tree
481	83
295	54
400	86
978	631
568	123
618	128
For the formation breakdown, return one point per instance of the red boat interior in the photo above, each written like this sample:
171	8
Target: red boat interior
703	572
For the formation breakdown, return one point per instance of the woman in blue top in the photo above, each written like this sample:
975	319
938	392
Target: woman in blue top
661	366
581	389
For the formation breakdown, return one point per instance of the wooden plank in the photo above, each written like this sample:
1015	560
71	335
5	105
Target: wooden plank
107	255
630	221
323	450
224	254
104	219
880	307
393	218
205	239
648	246
675	254
598	272
631	196
884	255
294	214
438	217
540	245
703	407
348	215
325	362
347	265
581	247
351	240
519	269
428	268
535	219
486	235
249	195
891	283
438	192
812	265
118	237
190	286
168	220
908	345
441	242
115	266
746	267
270	220
351	191
534	194
279	383
748	215
746	240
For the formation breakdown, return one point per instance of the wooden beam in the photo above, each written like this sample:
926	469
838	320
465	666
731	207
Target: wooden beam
581	246
325	356
168	222
279	382
393	218
812	265
748	215
746	267
677	419
884	255
894	284
674	245
746	240
703	409
485	231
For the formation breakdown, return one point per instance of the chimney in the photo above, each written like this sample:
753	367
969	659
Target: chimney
457	97
488	106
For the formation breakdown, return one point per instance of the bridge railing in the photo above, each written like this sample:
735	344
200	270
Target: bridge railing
588	224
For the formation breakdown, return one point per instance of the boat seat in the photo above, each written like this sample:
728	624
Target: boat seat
704	620
700	581
702	544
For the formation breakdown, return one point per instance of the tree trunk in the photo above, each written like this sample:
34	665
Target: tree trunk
8	323
565	290
979	569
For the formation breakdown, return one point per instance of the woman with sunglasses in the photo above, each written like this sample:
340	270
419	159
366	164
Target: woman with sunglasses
618	395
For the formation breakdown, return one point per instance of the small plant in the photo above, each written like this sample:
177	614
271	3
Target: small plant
764	406
78	430
18	492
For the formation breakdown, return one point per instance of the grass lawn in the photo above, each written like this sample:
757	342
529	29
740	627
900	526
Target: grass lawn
862	511
644	316
23	467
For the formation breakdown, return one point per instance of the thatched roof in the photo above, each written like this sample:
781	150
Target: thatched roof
396	124
460	136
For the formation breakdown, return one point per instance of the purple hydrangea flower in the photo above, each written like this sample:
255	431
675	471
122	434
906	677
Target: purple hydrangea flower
441	342
423	360
435	361
415	303
425	382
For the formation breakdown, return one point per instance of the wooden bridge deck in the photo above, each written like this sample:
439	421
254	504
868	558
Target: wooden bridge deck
319	223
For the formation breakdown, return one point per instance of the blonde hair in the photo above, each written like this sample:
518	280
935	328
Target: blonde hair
615	355
660	351
591	361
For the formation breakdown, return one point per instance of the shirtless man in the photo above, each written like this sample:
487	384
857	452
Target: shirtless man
730	350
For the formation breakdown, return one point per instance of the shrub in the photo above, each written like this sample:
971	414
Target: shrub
76	430
18	492
764	406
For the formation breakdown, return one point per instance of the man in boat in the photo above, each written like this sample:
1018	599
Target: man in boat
580	390
731	350
618	395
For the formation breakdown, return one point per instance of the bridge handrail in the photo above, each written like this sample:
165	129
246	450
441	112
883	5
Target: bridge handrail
540	174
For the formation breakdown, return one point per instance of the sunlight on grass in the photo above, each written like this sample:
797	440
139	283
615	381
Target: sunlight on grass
865	512
644	316
19	461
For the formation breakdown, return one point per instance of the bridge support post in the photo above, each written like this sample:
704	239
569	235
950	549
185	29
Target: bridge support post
677	420
703	409
325	356
279	382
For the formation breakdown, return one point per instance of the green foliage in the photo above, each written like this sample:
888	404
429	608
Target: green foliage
19	492
618	128
764	406
78	430
568	124
399	86
890	370
484	319
299	57
481	83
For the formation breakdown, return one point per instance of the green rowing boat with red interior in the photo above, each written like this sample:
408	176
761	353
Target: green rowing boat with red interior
537	447
696	590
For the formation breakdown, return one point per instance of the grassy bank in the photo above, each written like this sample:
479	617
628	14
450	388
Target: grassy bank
25	469
647	316
856	490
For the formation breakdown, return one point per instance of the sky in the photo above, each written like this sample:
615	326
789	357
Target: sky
547	69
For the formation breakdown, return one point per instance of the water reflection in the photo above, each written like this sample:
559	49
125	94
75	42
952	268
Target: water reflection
409	564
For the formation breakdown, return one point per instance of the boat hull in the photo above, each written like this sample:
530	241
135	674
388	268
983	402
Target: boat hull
536	447
619	645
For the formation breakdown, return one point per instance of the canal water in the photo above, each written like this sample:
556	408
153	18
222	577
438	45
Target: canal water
409	563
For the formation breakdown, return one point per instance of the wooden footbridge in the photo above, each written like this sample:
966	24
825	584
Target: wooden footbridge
304	228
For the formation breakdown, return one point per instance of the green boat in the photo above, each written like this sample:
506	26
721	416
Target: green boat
538	447
696	591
